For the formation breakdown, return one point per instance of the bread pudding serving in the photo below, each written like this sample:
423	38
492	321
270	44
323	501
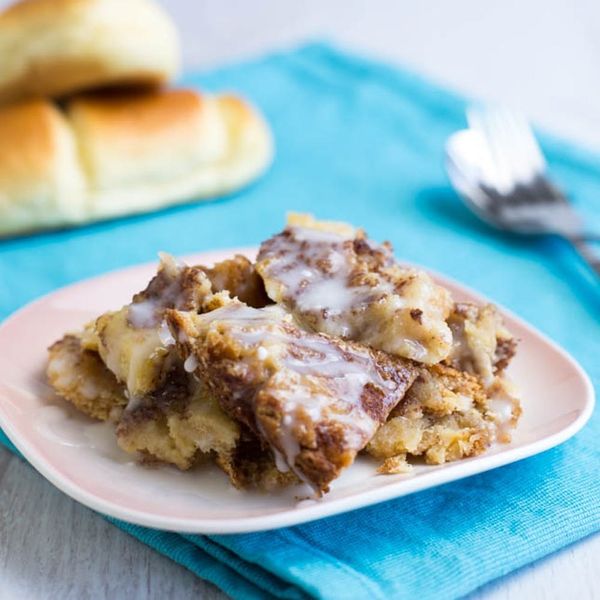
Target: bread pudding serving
281	371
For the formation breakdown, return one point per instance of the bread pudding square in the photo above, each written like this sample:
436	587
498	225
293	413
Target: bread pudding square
447	415
124	366
315	400
334	280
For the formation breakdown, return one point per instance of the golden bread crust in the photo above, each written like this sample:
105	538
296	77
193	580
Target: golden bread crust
123	152
81	377
57	47
41	182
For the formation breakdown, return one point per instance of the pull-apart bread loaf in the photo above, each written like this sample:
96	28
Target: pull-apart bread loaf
115	153
57	47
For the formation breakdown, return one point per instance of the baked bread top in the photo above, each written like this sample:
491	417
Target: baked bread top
41	183
57	47
123	152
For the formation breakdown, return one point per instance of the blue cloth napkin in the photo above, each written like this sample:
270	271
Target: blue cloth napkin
363	142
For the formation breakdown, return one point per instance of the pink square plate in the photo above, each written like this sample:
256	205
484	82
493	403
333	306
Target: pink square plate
82	459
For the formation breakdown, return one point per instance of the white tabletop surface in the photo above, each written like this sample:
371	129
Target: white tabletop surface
540	55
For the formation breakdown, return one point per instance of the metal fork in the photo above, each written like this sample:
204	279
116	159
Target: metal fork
498	168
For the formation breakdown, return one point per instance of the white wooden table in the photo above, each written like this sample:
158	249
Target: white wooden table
540	55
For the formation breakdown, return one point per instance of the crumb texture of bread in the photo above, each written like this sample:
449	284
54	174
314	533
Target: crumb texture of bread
165	414
134	342
395	465
336	281
250	466
238	276
57	47
80	376
447	415
178	424
481	343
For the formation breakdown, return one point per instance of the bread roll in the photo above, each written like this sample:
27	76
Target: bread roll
57	47
141	151
122	153
41	183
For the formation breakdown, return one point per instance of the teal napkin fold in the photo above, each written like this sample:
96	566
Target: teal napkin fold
363	142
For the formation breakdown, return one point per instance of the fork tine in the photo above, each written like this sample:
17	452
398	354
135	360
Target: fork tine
506	137
526	145
483	120
503	137
514	136
515	151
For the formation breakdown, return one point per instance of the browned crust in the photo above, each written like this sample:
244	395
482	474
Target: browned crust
33	128
86	373
506	349
251	465
125	114
71	63
385	305
69	78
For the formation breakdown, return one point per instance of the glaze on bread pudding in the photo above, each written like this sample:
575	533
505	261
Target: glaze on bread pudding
284	370
336	281
314	399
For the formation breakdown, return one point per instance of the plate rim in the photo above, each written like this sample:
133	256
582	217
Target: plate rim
296	515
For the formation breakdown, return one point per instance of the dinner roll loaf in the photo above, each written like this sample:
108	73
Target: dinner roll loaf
57	47
111	154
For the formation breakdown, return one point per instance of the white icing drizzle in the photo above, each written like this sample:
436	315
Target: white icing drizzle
311	234
148	313
280	463
317	379
311	272
133	402
504	407
190	364
165	335
310	287
239	313
142	315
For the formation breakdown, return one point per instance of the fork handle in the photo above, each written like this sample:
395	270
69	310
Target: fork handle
586	252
